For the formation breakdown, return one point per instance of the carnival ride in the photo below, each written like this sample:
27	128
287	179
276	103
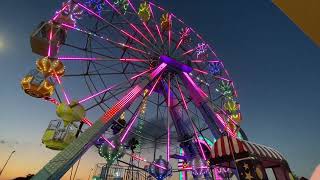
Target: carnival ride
153	78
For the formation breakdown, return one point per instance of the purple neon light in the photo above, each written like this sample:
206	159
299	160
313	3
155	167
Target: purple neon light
176	64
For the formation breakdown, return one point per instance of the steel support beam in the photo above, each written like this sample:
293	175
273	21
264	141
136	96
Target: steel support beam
62	162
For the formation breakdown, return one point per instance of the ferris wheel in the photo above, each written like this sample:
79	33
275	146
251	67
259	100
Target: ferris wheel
149	77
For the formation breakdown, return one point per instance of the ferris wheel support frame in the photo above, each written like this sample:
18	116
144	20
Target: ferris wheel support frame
205	107
62	162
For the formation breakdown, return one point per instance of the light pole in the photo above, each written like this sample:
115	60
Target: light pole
7	162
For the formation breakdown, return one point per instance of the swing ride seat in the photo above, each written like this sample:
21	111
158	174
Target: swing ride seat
40	39
57	137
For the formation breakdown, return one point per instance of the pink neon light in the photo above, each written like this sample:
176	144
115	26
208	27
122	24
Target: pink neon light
222	78
169	32
129	127
158	29
168	145
187	52
199	144
59	12
138	158
122	31
142	73
133	60
143	159
194	85
156	6
90	11
235	91
129	35
120	104
158	70
135	28
94	95
132	6
62	89
52	100
202	61
169	105
89	123
146	26
182	96
179	43
169	92
112	6
159	166
224	124
107	39
190	168
50	38
80	58
130	47
155	84
200	71
151	10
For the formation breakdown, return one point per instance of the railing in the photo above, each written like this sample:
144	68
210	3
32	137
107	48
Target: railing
116	172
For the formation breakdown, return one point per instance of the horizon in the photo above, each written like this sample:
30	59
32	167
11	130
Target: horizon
273	63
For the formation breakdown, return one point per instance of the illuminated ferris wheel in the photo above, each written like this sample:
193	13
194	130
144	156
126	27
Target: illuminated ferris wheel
153	79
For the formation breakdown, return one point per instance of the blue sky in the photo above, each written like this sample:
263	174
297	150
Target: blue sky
274	65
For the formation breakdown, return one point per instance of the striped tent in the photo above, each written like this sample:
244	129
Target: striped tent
225	148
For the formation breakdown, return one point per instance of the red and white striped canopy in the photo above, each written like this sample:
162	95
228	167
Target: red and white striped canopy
225	146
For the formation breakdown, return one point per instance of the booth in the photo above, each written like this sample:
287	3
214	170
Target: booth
249	160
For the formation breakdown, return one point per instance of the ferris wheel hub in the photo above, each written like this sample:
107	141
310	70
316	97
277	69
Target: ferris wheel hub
175	65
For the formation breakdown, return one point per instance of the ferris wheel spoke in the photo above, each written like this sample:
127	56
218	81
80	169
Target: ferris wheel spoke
112	25
182	96
132	121
58	79
120	45
132	25
144	23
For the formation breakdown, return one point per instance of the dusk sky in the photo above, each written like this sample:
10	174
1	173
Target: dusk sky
275	67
